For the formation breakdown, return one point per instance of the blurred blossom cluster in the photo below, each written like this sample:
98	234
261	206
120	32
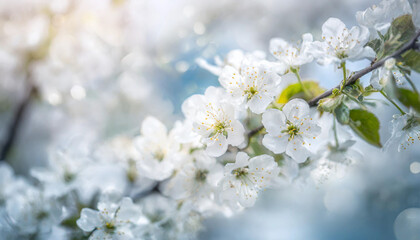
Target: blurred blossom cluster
92	148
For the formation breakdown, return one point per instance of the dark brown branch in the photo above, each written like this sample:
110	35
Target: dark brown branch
13	130
361	73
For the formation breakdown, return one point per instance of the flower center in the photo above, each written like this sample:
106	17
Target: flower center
240	172
251	92
201	175
110	226
291	130
159	155
219	128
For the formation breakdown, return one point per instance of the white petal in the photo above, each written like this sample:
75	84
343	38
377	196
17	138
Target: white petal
236	133
230	78
151	126
128	211
217	147
274	121
89	220
296	109
333	27
259	103
297	151
275	143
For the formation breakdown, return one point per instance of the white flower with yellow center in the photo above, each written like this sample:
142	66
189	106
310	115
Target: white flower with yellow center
159	152
112	220
245	178
290	130
340	43
255	85
291	56
214	120
196	181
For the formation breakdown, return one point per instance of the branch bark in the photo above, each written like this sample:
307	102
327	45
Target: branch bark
15	124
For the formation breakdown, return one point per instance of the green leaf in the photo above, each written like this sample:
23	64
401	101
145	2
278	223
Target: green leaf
342	113
402	29
376	45
295	91
409	98
412	59
366	125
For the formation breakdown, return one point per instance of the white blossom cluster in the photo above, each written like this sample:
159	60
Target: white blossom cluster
235	140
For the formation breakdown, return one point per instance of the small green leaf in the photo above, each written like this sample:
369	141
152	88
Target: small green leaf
342	113
295	91
401	31
375	44
366	125
412	59
409	98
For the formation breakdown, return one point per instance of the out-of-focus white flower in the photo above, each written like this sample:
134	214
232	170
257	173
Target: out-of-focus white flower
290	130
233	59
31	212
113	220
214	119
381	77
289	55
158	150
61	175
405	131
255	85
379	18
340	43
195	181
245	178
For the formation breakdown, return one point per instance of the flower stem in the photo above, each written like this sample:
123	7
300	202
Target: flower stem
335	132
392	101
411	83
343	66
305	91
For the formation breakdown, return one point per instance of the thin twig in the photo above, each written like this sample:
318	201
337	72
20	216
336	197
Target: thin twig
367	70
13	130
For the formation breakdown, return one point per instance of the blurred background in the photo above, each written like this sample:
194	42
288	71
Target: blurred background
83	71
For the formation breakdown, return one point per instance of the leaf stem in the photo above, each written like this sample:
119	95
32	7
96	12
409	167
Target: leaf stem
305	91
343	66
335	132
392	101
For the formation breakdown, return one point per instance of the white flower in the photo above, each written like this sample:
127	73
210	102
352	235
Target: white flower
158	150
381	77
246	177
31	212
62	173
340	43
405	131
112	220
214	119
289	55
233	59
288	130
195	181
254	85
379	18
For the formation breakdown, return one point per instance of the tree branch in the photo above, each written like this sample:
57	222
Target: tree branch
15	124
355	76
361	73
